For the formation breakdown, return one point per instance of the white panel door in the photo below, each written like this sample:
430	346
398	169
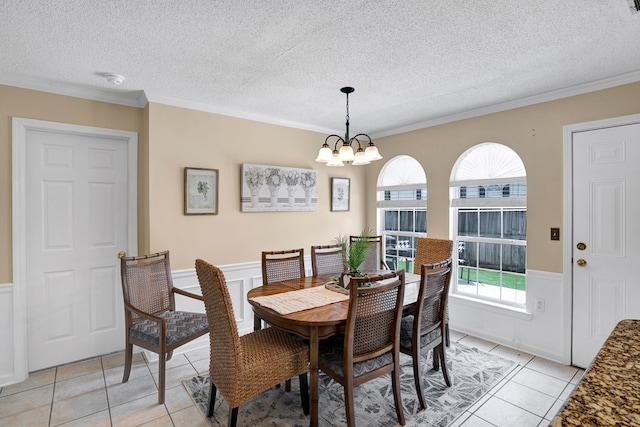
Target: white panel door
76	216
606	209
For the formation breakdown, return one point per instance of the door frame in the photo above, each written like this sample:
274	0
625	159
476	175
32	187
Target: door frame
20	126
567	242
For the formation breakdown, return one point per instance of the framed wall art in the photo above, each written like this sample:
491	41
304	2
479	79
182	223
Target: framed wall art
200	191
278	189
340	194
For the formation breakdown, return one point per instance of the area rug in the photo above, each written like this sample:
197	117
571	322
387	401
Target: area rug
472	372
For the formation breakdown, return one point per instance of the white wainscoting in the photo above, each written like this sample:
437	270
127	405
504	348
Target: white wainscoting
241	278
7	375
541	333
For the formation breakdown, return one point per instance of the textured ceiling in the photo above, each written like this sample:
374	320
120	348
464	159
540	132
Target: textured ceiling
413	63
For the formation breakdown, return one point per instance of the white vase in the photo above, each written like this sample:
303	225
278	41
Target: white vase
291	190
254	197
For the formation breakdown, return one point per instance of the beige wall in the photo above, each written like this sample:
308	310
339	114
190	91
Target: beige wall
171	138
15	102
535	133
180	137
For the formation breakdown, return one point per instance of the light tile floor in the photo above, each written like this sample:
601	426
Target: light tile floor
90	393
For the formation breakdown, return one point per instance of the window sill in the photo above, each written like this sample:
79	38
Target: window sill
507	310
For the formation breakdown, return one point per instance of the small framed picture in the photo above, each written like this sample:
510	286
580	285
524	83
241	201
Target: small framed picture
340	194
200	191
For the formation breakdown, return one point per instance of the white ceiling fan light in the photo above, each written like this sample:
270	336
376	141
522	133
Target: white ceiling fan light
114	79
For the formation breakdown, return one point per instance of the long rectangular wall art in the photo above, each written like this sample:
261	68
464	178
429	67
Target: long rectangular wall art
278	189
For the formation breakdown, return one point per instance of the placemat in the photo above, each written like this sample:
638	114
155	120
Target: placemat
303	299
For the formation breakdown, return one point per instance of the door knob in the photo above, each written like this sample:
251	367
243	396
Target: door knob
581	262
122	254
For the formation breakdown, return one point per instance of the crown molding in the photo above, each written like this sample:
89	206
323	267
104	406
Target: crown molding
208	108
580	89
128	98
140	99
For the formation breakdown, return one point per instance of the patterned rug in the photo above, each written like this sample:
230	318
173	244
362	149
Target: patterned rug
472	374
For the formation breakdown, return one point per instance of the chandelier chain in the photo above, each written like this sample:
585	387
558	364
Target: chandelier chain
347	116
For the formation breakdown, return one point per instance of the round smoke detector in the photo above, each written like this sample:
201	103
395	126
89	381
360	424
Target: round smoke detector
114	79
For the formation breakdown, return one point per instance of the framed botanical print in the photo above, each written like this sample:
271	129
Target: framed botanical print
200	191
340	194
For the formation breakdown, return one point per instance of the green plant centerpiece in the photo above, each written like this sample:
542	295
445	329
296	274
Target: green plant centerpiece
353	254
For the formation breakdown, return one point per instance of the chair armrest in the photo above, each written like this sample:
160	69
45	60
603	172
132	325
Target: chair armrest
144	314
187	294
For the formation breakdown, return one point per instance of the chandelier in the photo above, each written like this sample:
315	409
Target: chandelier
346	154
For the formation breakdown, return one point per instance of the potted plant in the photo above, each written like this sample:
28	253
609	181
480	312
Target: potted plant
355	252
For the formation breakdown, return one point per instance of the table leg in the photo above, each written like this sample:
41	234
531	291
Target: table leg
257	322
313	376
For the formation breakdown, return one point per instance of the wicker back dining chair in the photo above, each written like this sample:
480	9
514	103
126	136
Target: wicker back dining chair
277	266
433	251
327	259
424	330
375	257
282	265
370	346
242	367
151	319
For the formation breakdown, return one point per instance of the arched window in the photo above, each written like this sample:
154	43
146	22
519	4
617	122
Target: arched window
402	209
489	222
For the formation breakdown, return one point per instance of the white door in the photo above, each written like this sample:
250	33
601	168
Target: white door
606	233
76	222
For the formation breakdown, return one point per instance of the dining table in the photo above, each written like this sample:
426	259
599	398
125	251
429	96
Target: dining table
315	323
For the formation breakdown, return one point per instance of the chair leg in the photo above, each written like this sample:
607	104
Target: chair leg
169	355
417	375
348	404
304	393
443	358
212	398
161	377
287	385
128	356
233	417
396	393
446	335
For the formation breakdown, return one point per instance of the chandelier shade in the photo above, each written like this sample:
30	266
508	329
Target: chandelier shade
345	155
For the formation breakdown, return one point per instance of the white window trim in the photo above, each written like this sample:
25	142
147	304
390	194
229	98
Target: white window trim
405	187
391	204
488	181
490	202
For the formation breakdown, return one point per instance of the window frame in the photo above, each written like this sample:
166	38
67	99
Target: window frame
482	194
477	239
394	256
405	190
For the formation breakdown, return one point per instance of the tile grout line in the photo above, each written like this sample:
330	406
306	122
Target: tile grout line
106	391
53	393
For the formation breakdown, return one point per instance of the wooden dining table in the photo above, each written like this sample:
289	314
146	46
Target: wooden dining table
317	323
